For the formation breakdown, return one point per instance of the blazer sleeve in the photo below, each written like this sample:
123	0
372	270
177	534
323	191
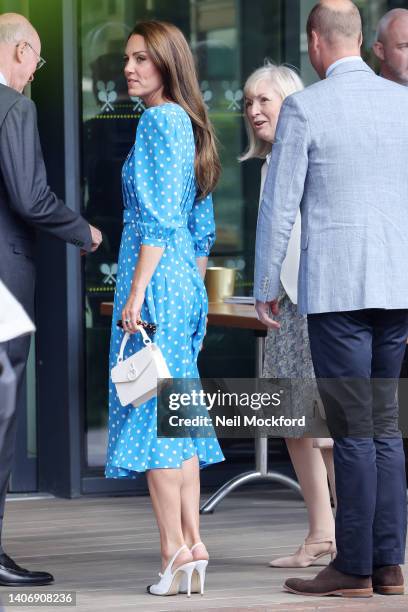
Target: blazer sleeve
281	198
23	170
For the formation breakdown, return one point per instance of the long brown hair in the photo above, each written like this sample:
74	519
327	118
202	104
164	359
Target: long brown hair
172	56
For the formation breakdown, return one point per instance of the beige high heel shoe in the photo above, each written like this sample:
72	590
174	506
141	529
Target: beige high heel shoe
301	558
198	576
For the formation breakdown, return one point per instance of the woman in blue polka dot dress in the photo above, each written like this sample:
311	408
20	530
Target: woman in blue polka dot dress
168	232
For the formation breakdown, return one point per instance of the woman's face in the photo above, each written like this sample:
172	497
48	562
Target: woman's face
262	107
143	78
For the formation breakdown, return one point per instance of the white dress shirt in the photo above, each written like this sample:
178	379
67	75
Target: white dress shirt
343	60
290	266
2	79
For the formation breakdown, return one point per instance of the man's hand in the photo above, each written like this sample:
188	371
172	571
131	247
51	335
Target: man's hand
96	238
263	310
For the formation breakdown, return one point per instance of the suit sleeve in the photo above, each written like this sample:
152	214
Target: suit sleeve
23	170
281	198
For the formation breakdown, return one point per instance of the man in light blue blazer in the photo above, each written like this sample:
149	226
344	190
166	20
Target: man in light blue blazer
341	155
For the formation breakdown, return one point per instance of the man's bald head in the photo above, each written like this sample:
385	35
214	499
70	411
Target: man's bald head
20	49
337	21
391	46
389	21
15	28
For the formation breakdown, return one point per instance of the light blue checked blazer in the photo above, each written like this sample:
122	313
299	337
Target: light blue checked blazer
341	154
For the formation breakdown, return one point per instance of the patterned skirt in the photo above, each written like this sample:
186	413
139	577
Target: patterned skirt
287	355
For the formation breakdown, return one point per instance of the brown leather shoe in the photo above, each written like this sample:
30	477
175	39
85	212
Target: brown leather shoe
331	582
388	580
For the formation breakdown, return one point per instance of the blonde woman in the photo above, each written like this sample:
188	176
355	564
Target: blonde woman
168	232
287	352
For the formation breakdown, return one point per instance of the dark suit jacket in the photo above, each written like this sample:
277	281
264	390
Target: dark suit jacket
26	200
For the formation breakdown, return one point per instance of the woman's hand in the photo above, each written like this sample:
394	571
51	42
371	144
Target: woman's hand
131	311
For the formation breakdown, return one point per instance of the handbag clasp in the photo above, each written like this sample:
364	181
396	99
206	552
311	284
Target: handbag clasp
132	373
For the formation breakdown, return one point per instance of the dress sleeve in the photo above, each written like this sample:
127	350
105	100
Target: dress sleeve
158	176
202	227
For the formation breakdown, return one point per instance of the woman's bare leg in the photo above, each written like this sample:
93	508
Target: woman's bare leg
165	493
311	472
190	506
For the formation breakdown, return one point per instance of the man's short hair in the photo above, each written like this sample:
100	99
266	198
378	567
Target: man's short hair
335	25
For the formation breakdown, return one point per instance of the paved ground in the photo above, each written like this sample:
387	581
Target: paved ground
106	550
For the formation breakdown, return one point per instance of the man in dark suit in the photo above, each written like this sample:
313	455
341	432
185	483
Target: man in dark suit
26	204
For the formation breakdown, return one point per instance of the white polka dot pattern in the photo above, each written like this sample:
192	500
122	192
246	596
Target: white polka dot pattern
161	209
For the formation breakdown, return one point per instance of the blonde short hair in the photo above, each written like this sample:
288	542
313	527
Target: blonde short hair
284	81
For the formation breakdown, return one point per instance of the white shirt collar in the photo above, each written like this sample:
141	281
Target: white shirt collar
2	79
342	60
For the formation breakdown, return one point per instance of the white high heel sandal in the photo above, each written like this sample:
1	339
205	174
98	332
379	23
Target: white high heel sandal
170	581
198	577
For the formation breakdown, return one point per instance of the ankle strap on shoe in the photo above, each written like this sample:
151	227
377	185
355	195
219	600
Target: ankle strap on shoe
197	544
174	557
322	541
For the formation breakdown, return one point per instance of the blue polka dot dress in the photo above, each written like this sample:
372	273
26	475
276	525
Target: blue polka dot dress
161	209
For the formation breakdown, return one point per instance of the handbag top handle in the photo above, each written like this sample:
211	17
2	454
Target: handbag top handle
146	341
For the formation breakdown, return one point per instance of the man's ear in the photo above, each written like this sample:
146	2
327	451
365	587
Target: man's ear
20	50
315	40
378	49
360	39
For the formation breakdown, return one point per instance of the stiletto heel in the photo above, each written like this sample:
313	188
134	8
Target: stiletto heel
170	581
201	567
188	572
198	576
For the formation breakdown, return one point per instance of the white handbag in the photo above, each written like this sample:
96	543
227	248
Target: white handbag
136	378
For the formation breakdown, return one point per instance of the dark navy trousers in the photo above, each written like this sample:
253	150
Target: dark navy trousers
357	358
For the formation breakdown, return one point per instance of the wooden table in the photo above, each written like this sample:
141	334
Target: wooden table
228	315
241	316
